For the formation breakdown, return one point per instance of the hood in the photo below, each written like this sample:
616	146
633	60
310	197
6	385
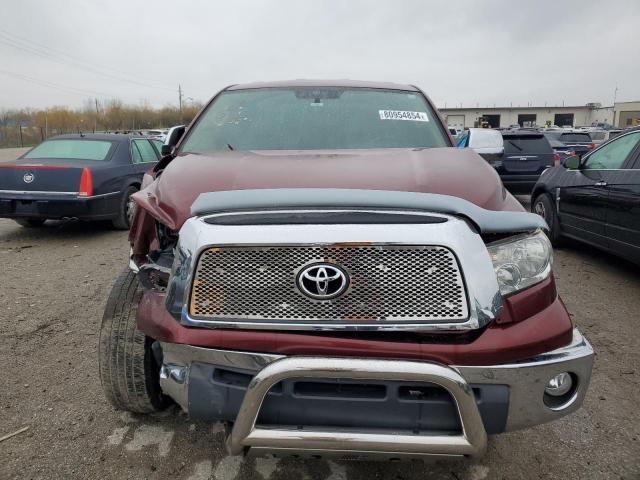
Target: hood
448	171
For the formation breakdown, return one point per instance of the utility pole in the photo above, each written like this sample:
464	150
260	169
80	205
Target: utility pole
180	100
615	94
95	122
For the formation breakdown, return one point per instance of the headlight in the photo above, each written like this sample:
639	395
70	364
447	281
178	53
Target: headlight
520	262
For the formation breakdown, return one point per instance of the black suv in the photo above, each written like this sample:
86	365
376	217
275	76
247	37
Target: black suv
580	142
526	155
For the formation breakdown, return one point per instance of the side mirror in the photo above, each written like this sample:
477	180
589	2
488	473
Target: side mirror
572	163
173	137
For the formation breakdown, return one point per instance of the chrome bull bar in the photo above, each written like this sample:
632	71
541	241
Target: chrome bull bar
246	436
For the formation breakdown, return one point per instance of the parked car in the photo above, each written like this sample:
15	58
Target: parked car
518	156
561	151
322	271
603	125
598	137
580	142
82	176
526	156
158	134
455	133
596	199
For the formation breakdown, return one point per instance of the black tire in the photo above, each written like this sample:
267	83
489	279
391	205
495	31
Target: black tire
543	206
123	220
30	222
129	373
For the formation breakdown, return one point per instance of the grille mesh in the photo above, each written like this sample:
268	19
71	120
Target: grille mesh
388	283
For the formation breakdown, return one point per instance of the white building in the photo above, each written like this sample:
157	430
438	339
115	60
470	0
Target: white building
497	117
626	114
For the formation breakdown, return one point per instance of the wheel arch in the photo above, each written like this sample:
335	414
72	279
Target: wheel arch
537	191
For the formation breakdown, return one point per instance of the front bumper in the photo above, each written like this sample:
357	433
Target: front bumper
525	381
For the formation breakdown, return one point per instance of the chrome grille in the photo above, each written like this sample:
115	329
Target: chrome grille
388	283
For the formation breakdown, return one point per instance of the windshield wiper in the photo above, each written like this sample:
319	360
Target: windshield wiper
514	145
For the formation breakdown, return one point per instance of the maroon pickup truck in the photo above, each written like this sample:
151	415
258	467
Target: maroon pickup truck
315	266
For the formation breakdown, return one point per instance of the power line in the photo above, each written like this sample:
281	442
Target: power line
49	84
49	57
61	57
48	52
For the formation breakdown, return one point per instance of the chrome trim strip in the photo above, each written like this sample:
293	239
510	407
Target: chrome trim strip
105	195
324	210
349	455
582	170
484	300
185	354
133	266
245	434
38	192
55	194
325	327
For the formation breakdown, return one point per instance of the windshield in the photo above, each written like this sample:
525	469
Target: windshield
529	143
316	118
72	149
575	137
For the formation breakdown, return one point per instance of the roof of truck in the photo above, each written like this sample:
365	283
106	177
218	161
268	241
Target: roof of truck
323	83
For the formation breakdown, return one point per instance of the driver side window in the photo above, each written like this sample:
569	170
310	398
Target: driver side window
613	155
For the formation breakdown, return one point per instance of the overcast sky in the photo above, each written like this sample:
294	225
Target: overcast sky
469	52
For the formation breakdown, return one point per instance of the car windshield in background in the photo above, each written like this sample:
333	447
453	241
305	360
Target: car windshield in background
556	144
316	118
526	143
576	137
72	149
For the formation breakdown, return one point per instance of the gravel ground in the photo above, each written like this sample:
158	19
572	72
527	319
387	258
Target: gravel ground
54	283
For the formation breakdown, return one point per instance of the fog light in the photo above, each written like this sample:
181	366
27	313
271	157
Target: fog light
559	384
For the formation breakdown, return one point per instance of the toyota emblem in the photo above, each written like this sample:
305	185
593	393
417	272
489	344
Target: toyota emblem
28	177
322	281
